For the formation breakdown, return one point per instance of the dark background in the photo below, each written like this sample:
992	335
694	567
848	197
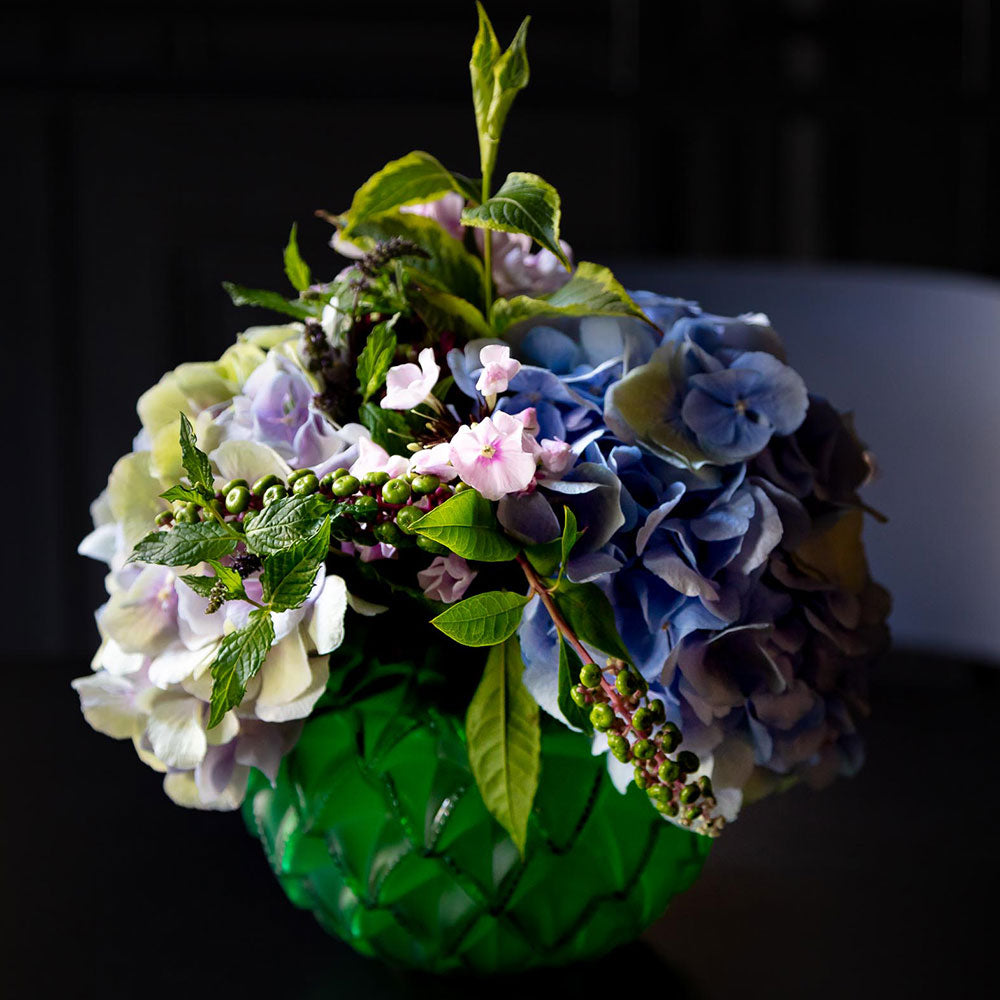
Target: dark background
149	151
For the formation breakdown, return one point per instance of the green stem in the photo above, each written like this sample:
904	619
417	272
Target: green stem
487	247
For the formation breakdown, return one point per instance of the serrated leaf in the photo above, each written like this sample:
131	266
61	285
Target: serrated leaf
589	614
483	620
466	524
376	359
285	523
485	54
187	494
389	428
412	179
504	739
296	268
241	654
229	576
194	460
185	545
524	204
591	291
201	585
288	576
231	580
569	677
243	296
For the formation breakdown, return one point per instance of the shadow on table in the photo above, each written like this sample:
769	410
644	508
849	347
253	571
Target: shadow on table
636	963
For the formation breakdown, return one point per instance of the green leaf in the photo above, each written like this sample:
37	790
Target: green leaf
285	523
570	536
187	494
201	585
185	545
589	614
569	676
549	558
450	267
496	80
412	179
524	204
376	359
504	738
389	428
243	296
229	576
288	576
195	461
483	620
466	524
591	291
241	654
444	311
204	585
295	267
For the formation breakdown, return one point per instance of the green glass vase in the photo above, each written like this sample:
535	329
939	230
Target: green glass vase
375	824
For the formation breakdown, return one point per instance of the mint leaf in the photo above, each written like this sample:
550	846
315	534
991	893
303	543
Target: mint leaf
504	739
389	428
229	576
569	677
295	267
524	204
241	654
288	576
187	494
412	179
376	359
483	620
466	524
589	614
185	545
194	460
285	523
201	585
591	291
231	580
297	309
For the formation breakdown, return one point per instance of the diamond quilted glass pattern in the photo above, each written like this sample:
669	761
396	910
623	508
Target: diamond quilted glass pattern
375	825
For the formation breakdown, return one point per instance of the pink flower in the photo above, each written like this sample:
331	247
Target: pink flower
407	385
447	578
374	458
498	369
529	417
446	212
434	461
490	457
554	456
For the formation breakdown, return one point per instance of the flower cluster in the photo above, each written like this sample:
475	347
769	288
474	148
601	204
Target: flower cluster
634	505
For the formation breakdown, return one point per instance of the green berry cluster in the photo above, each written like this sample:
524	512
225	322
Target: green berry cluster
638	732
370	509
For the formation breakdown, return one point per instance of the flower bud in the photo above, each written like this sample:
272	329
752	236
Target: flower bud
669	771
407	517
375	478
689	794
237	499
644	749
274	493
164	517
579	695
425	484
625	684
306	483
642	719
345	486
619	747
365	508
296	475
688	761
670	737
590	675
388	533
233	483
396	491
429	545
264	484
642	779
657	711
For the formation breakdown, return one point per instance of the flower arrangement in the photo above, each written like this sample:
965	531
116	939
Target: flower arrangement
612	509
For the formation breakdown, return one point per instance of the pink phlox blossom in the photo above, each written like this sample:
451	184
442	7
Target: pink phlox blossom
498	369
447	578
491	457
408	385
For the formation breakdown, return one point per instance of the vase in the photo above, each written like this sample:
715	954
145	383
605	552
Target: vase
376	825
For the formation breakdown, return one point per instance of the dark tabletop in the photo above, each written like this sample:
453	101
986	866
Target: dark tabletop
881	886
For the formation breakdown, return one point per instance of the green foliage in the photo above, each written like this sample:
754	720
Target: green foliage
389	428
412	179
295	267
589	614
524	204
496	79
241	654
284	523
228	577
444	311
466	524
201	585
483	620
376	358
569	676
195	461
449	267
503	734
296	308
186	544
288	576
550	558
187	494
592	291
